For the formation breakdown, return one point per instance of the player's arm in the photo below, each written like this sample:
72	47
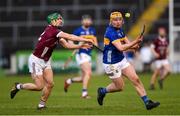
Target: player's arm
73	37
153	51
133	48
95	41
126	46
130	50
71	45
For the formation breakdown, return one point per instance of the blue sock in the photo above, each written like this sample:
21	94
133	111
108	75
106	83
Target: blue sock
145	99
83	90
104	91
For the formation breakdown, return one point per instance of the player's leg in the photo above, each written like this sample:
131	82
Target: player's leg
37	75
156	73
86	75
116	86
130	73
165	72
36	86
154	78
48	85
114	73
76	80
69	81
36	70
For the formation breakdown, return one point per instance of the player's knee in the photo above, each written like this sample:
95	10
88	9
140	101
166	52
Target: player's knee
119	88
88	73
168	71
39	87
50	85
156	72
136	80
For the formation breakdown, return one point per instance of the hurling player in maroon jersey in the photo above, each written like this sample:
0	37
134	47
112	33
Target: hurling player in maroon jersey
39	60
160	51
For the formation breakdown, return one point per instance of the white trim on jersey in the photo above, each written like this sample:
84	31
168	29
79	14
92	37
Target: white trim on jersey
58	35
109	55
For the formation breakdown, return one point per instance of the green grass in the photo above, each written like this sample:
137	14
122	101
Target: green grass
126	102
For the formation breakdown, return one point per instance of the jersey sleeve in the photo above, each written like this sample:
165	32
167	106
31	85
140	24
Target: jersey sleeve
94	31
122	32
76	32
57	32
114	37
117	36
154	43
52	32
122	35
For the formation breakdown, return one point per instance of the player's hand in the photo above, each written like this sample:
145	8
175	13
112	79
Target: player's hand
135	47
139	39
86	46
157	55
62	40
89	41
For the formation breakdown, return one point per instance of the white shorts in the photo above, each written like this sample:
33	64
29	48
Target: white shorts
82	58
37	65
114	70
160	63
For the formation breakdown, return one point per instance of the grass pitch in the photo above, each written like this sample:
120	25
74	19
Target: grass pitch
126	102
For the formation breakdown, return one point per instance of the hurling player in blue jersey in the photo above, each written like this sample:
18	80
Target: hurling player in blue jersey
116	65
83	56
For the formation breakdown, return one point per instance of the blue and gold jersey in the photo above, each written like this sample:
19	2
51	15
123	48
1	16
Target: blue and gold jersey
90	33
111	54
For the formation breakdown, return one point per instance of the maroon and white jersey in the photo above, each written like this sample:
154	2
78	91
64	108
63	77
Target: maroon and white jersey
161	46
48	40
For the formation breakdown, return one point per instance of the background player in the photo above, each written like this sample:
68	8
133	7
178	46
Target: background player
39	60
83	56
115	64
159	49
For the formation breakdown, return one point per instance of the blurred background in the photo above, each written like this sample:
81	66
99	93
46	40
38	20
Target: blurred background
22	21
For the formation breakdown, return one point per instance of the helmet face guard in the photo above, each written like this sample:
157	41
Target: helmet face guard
54	16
